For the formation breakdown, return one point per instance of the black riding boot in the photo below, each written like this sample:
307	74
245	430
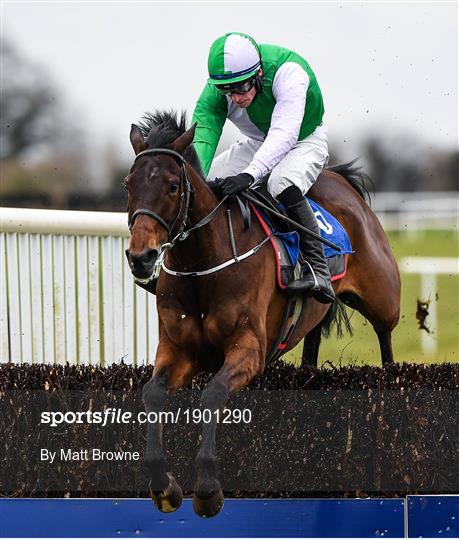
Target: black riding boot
317	282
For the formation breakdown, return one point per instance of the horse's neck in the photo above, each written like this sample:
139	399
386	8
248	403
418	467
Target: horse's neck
204	201
210	242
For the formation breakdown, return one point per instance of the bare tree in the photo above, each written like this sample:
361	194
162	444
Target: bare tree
41	145
29	105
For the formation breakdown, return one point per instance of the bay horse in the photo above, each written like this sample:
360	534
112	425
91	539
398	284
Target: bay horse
227	320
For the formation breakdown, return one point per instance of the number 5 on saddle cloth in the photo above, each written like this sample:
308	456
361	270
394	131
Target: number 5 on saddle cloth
287	250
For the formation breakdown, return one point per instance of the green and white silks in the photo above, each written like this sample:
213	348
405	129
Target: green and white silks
288	110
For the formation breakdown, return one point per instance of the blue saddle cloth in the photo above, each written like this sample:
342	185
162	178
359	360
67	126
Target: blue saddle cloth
330	229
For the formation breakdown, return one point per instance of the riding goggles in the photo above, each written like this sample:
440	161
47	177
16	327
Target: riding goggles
237	88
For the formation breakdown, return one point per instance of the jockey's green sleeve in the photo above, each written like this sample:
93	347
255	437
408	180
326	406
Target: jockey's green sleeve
210	115
288	109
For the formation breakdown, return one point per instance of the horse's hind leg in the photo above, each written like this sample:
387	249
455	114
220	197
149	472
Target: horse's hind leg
312	340
381	310
385	345
383	317
311	346
170	372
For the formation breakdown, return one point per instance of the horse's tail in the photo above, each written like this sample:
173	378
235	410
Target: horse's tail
355	177
338	317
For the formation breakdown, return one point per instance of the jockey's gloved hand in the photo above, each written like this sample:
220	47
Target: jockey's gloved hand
215	187
234	184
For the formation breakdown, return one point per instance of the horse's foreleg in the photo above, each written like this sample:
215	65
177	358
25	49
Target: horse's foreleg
168	373
164	490
243	360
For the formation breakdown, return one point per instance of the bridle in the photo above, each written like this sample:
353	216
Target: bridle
186	202
186	197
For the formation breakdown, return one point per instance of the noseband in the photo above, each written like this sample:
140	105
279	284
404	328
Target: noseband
186	196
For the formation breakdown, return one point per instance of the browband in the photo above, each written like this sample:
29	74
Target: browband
161	151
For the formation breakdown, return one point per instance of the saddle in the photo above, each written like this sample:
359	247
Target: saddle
285	240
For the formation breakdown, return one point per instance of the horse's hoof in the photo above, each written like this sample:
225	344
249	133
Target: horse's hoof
170	499
208	507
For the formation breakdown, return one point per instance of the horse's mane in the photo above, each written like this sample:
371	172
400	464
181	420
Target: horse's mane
357	179
161	128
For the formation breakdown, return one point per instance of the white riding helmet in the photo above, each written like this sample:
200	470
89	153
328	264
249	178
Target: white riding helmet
233	57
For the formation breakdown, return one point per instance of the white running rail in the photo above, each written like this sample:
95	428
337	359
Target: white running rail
67	294
418	210
429	268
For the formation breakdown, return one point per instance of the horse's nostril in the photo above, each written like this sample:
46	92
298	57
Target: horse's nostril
129	258
142	262
150	255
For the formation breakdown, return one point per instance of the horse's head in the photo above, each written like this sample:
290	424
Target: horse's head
158	197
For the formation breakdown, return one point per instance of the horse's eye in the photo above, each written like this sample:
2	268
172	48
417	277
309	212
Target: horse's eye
174	188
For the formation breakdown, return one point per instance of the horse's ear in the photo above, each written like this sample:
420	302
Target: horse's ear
182	143
137	140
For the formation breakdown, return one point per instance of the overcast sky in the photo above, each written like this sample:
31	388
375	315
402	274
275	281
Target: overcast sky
383	67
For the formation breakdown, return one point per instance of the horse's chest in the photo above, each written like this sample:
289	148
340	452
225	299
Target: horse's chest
182	326
196	330
189	323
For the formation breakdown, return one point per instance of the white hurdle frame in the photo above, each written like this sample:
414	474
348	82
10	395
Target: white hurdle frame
67	293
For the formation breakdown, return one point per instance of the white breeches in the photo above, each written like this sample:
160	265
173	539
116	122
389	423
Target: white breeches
300	167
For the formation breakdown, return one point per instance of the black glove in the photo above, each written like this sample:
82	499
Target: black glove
234	184
215	187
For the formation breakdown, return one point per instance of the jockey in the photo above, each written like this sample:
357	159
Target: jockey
272	96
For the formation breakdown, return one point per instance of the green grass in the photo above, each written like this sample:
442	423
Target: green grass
363	348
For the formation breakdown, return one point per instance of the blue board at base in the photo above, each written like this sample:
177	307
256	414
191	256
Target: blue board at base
137	518
433	516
